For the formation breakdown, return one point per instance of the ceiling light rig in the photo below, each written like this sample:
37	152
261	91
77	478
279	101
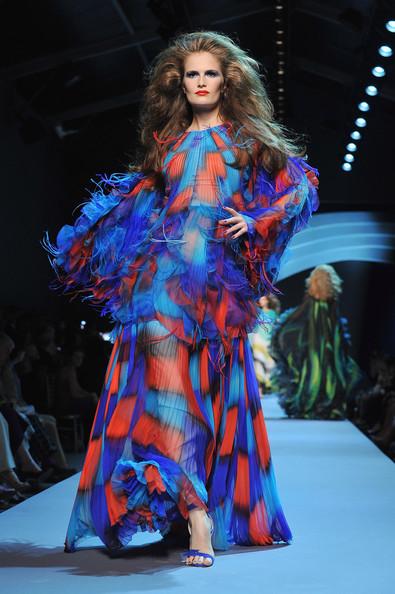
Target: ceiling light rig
279	59
371	90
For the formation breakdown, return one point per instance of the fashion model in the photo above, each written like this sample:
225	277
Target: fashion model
177	250
314	375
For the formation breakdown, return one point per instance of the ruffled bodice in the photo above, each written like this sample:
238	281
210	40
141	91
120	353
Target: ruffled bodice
149	254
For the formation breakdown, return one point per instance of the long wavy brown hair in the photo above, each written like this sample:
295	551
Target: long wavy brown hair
165	112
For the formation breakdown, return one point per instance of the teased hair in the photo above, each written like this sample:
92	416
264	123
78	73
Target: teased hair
324	283
166	112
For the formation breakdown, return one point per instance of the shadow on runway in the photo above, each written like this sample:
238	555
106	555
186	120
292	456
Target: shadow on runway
97	561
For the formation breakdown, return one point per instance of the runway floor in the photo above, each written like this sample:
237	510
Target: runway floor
337	489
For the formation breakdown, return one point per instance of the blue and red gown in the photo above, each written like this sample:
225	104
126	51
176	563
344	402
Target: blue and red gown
179	423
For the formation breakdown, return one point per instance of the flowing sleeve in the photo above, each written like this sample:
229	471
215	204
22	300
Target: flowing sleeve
97	257
275	208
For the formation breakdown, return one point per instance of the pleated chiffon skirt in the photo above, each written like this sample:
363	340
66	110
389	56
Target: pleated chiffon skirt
177	427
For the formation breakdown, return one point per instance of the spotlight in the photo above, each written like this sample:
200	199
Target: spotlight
346	167
378	71
390	26
360	122
105	336
352	147
363	106
349	158
385	51
371	90
355	135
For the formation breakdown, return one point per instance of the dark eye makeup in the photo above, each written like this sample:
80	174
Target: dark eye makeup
192	73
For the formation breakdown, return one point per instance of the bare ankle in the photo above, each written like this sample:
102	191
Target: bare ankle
196	515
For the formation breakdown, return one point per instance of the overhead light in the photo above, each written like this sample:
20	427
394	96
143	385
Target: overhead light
363	106
346	167
390	26
371	90
349	158
360	122
355	135
352	147
378	71
385	51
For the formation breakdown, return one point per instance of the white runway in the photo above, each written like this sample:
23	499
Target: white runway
338	494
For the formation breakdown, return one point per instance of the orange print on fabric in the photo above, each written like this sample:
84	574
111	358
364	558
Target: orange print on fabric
219	141
169	375
262	439
258	525
206	187
230	431
167	440
204	377
121	418
181	202
116	504
242	486
176	165
154	479
91	463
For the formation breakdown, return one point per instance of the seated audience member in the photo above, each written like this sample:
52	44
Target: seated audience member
20	414
72	398
11	488
376	406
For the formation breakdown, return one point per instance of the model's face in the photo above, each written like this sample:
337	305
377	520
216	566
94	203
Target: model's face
203	81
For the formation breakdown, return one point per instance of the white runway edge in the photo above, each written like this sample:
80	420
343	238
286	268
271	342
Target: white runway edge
337	491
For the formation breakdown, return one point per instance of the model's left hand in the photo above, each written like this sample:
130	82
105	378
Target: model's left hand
237	221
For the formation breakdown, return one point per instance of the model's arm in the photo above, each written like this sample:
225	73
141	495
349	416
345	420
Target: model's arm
276	209
107	241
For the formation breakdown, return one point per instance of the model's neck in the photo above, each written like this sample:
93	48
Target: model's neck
202	120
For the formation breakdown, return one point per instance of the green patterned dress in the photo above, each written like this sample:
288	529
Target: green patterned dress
314	376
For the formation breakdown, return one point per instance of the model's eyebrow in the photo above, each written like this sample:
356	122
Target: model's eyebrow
205	72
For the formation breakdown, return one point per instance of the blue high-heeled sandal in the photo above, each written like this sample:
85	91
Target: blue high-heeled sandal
197	552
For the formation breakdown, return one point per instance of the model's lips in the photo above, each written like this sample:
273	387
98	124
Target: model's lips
201	93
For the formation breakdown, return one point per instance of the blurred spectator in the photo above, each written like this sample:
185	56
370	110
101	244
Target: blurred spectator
260	341
72	398
8	477
375	407
44	443
19	429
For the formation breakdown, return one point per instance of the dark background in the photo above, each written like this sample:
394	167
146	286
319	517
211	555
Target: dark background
72	74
